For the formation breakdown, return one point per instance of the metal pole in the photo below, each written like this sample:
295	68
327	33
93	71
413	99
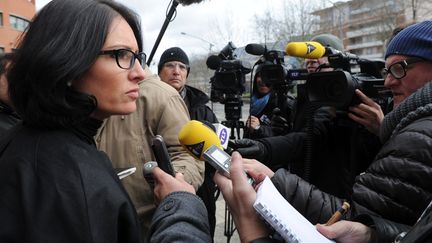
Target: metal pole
162	31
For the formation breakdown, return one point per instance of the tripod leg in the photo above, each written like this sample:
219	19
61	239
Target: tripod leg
229	225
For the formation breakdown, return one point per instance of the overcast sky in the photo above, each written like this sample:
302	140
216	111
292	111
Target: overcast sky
199	20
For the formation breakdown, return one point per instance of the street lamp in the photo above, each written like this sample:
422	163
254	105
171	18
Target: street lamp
199	38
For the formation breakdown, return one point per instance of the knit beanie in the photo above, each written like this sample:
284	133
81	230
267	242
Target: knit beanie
173	54
330	41
415	41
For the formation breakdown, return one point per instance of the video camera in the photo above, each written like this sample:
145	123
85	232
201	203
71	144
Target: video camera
228	82
273	70
337	88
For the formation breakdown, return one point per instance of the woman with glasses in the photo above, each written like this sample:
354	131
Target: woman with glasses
80	62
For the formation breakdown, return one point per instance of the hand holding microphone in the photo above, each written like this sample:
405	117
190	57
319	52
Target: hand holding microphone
251	149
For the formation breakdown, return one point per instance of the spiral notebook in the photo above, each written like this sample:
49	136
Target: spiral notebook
283	217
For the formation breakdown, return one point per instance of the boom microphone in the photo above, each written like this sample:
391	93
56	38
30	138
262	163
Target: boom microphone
168	18
255	49
213	62
310	49
188	2
196	137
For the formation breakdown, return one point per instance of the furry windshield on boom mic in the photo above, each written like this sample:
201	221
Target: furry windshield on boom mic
188	2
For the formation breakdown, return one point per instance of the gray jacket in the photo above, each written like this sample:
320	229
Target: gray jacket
180	217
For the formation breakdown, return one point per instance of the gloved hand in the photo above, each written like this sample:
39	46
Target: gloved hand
249	148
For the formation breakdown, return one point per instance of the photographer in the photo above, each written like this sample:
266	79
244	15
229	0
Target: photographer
326	148
396	185
263	111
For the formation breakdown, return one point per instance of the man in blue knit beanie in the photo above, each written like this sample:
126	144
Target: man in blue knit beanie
409	61
408	68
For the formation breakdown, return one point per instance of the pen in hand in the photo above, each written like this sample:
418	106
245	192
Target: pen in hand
338	214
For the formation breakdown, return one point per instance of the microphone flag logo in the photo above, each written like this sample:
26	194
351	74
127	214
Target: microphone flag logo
196	149
223	136
310	48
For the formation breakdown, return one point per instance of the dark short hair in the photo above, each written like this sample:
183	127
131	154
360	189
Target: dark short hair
60	45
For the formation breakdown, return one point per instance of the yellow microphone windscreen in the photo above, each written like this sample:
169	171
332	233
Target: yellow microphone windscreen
196	138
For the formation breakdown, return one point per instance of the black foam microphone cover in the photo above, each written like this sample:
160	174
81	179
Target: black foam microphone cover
213	62
255	49
188	2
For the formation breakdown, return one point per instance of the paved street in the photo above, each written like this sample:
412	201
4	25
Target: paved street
220	220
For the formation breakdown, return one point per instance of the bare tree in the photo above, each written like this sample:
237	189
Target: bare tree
199	76
226	28
295	22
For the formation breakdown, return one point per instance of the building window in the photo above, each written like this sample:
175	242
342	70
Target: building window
18	23
2	50
1	19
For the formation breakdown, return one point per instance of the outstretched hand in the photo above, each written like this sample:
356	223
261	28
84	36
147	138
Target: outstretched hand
255	167
368	113
240	196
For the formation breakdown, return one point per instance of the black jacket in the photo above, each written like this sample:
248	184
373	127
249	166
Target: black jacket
56	187
422	231
270	126
386	230
328	152
8	118
396	186
196	101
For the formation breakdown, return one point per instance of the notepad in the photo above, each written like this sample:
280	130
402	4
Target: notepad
123	172
283	217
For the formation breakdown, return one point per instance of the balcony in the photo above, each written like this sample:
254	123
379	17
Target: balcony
364	45
373	56
362	32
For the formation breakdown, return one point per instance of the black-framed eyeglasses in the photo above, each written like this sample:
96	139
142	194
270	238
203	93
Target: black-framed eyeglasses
126	58
398	69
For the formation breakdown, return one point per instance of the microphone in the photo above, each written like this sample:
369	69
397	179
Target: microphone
310	49
203	144
221	131
188	2
255	49
196	137
213	62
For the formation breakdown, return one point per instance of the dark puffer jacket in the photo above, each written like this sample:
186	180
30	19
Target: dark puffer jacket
396	186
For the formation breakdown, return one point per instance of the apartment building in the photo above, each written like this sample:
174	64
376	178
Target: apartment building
365	25
15	15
